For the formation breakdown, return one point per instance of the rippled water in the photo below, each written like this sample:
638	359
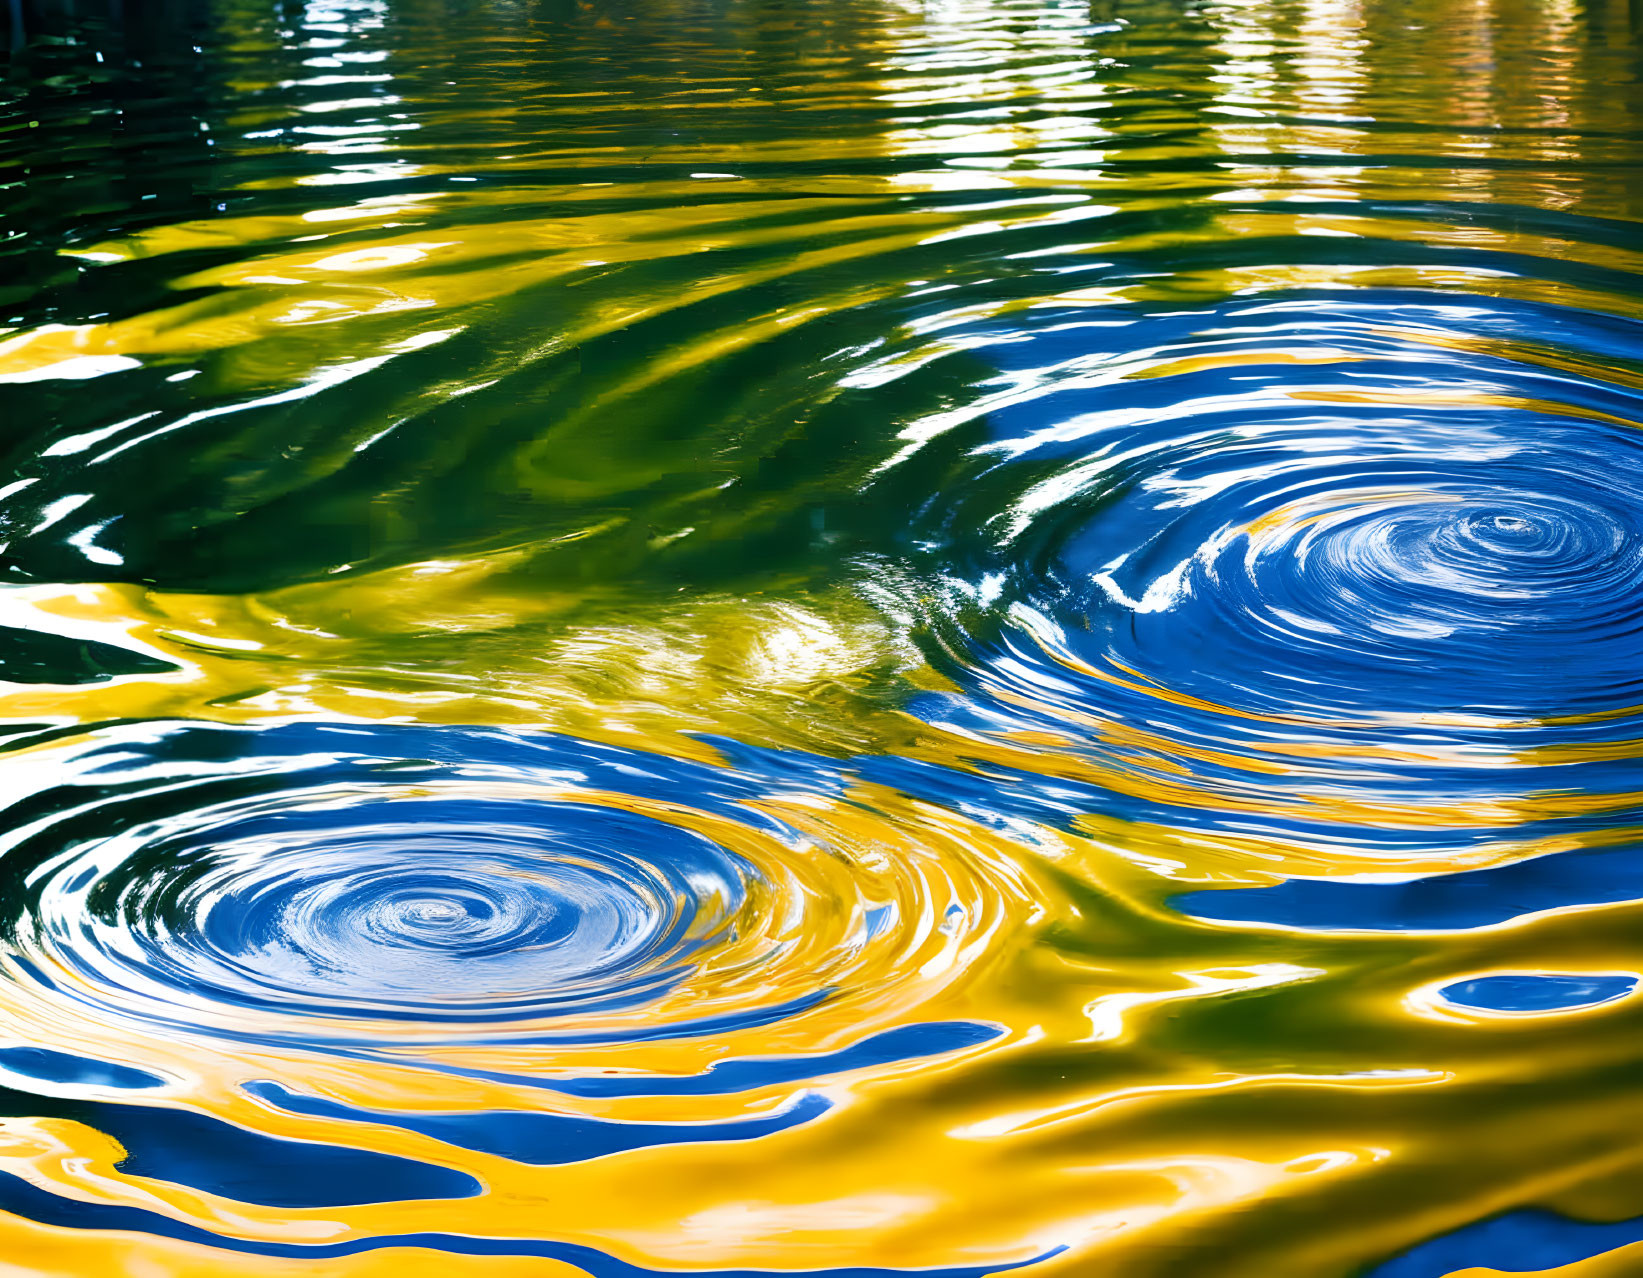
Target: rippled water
858	637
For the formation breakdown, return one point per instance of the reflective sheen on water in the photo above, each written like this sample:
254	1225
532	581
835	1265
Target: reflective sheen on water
828	637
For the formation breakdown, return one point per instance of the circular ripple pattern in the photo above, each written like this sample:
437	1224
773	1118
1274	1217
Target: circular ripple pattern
466	886
1380	580
1345	534
435	908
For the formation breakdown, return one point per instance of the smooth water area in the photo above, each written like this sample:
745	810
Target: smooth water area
831	637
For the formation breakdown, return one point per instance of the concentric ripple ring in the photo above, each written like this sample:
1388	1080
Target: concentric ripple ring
393	886
1301	538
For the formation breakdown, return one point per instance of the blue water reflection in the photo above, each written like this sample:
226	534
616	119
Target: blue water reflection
1538	991
1467	899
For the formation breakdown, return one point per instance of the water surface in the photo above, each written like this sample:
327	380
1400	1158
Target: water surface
790	637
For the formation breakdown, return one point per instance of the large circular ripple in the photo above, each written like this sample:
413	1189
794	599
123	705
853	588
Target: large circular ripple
1351	537
349	886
